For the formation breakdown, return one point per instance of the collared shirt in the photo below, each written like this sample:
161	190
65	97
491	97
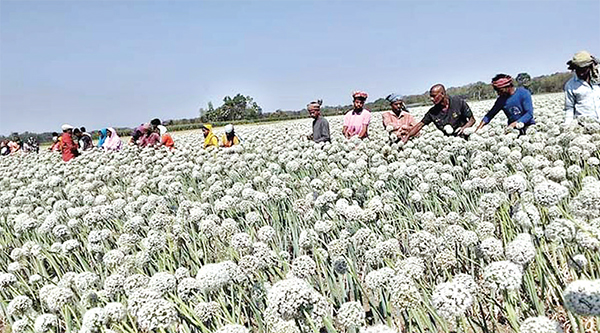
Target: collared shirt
321	130
356	121
516	107
581	99
401	124
457	114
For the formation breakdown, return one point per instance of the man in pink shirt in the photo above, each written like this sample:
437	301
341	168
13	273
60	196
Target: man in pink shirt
356	121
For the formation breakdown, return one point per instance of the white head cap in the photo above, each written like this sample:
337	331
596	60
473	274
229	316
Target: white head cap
66	127
228	128
162	129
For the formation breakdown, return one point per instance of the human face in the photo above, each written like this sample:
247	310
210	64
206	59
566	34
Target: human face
582	73
358	103
437	95
397	106
504	91
205	131
314	112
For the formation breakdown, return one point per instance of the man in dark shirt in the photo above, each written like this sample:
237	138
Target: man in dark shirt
320	124
450	114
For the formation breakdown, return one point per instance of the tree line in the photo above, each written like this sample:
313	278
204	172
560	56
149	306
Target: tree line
241	109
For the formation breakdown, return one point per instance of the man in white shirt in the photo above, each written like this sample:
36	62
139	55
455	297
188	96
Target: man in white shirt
582	91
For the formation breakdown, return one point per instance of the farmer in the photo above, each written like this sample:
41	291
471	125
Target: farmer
85	140
450	114
582	91
68	147
515	102
150	138
102	135
165	138
398	121
210	140
56	142
137	134
320	126
356	121
229	138
113	141
4	150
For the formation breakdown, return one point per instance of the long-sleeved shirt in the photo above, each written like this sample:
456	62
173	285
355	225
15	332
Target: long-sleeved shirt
69	148
517	107
581	99
321	130
401	124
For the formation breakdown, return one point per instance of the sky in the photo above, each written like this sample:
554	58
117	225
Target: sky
122	63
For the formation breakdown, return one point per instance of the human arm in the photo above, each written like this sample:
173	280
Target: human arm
469	123
490	114
527	106
569	104
363	131
413	131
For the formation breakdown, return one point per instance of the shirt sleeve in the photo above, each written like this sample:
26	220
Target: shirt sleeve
569	104
493	112
427	119
366	118
466	110
527	106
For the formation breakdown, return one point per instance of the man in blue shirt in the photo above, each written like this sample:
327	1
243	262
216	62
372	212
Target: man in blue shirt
515	102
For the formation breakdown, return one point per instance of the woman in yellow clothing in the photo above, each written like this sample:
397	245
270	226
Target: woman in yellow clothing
229	138
209	138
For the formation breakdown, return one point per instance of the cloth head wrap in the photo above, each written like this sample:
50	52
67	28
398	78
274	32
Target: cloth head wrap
503	82
360	94
392	98
582	59
66	127
228	128
162	129
315	104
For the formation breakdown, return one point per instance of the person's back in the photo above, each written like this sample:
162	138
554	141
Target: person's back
69	147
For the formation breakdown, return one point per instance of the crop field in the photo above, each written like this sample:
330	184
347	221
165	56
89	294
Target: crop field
495	234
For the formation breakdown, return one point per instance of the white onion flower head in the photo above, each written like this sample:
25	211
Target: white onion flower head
583	297
232	328
351	314
502	275
540	325
451	299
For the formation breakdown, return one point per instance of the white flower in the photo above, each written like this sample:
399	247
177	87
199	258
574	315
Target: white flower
156	314
583	297
351	314
521	250
303	267
212	277
19	305
549	193
451	299
502	275
378	329
93	319
540	325
45	323
232	328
